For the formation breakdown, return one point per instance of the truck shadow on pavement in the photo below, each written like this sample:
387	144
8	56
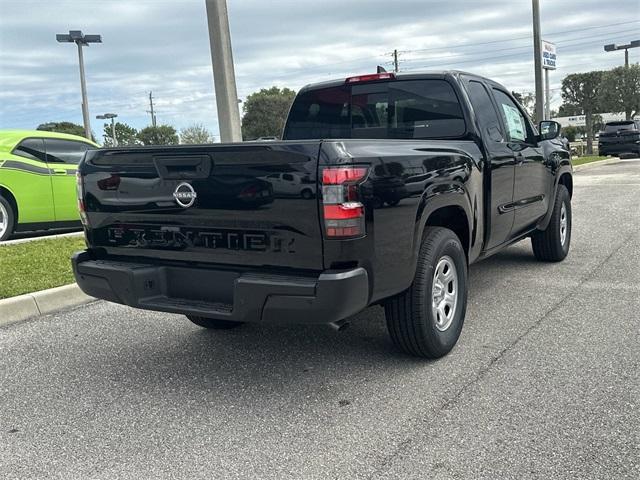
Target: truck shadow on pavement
163	351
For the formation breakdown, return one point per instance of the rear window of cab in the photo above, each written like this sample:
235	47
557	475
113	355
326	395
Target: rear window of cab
400	109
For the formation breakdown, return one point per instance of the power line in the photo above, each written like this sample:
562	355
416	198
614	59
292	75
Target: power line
526	47
461	45
492	57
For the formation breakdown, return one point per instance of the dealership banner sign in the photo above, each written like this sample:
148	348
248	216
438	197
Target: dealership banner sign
548	55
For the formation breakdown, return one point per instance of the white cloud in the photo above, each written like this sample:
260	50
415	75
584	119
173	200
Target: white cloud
162	45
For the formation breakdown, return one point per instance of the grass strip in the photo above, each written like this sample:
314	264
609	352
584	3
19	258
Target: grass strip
37	265
581	160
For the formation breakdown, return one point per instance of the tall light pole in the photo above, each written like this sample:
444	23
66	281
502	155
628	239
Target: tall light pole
612	47
224	78
537	59
113	125
81	40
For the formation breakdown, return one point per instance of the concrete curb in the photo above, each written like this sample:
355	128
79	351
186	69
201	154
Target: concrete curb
606	161
22	307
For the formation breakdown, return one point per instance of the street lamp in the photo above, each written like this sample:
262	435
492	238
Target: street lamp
612	47
81	40
106	116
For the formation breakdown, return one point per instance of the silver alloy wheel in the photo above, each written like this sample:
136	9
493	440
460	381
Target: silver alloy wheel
563	224
4	220
444	293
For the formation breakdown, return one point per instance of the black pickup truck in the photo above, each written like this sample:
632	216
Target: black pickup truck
383	191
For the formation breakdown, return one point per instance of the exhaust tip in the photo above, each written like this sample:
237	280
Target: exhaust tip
340	325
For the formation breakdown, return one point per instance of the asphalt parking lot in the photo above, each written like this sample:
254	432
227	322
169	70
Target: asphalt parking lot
544	383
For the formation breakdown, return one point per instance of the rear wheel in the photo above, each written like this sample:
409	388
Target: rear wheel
7	219
213	323
426	320
552	244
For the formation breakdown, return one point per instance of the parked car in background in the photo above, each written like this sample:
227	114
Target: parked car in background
619	138
38	180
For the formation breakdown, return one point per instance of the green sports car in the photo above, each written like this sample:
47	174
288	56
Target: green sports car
38	180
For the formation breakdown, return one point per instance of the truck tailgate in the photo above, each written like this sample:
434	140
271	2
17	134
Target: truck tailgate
250	204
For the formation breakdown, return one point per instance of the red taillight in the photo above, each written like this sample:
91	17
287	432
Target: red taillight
344	215
371	78
343	211
340	175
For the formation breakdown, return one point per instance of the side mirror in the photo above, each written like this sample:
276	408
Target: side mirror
548	130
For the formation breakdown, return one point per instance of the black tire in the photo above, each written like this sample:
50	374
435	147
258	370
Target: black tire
307	194
547	244
410	318
10	219
213	323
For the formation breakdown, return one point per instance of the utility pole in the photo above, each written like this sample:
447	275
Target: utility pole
224	78
151	111
81	40
395	61
537	60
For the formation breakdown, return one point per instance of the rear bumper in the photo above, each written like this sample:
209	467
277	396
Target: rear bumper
618	148
225	294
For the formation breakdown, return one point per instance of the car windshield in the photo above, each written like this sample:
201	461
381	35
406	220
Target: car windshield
613	127
396	109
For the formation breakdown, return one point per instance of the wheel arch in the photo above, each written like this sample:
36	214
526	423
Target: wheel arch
11	198
449	211
454	218
566	179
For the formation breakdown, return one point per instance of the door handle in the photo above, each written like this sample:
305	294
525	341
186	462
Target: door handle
59	171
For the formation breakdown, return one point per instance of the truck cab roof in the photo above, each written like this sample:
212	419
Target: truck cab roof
420	75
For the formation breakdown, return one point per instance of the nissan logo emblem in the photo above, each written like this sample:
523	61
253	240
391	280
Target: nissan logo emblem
185	195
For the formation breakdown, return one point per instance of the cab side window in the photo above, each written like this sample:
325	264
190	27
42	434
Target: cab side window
65	151
485	111
31	148
518	130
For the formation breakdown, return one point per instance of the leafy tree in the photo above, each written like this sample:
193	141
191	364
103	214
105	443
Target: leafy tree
597	124
569	110
62	127
125	134
194	134
621	90
572	132
160	135
528	102
265	112
583	90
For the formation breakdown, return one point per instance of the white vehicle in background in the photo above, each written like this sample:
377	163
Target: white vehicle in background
291	185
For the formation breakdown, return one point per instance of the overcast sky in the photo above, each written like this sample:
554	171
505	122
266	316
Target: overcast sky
162	45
